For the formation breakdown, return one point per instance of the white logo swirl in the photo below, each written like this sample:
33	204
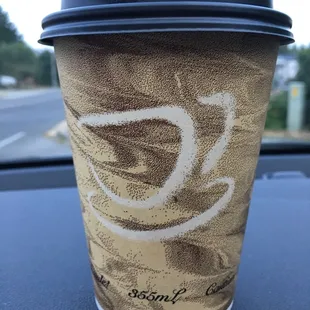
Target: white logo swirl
183	168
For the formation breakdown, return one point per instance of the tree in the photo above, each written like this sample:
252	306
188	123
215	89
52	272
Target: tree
288	50
43	73
8	31
277	111
304	68
17	60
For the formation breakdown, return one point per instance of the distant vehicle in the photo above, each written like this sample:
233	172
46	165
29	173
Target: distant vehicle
7	81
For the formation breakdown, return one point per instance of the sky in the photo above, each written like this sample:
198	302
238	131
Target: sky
28	20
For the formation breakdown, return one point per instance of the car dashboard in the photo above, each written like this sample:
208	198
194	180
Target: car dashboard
44	260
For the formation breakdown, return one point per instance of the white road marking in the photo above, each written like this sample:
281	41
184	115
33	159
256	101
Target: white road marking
10	102
12	139
12	106
19	105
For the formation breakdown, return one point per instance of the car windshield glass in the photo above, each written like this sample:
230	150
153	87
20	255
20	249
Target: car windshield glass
32	118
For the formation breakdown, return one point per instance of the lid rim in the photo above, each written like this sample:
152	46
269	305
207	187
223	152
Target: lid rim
177	6
140	16
67	4
190	25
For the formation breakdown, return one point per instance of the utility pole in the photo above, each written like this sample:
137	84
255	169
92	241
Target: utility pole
296	106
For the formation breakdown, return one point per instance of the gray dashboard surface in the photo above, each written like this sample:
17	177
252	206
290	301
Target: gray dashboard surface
44	262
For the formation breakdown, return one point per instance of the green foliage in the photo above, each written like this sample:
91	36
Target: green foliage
17	60
43	69
8	31
277	112
288	50
276	117
304	68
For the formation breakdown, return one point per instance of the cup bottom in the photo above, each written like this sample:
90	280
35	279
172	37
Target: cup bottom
100	308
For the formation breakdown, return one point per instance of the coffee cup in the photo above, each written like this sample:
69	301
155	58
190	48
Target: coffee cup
165	119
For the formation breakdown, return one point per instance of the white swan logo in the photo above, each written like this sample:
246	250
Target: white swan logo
183	167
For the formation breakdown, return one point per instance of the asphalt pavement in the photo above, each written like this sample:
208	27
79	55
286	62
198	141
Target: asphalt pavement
25	117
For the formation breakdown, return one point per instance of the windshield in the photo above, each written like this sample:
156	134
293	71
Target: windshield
32	120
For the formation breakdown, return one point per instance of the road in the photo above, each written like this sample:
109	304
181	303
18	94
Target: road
24	119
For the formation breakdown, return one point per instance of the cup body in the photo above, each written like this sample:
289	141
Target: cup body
165	131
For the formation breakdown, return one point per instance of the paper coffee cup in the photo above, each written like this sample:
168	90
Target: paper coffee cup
165	130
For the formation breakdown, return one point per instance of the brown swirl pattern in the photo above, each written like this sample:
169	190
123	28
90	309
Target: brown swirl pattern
120	73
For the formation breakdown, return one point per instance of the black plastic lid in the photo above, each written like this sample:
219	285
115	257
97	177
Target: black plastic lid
86	17
68	4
